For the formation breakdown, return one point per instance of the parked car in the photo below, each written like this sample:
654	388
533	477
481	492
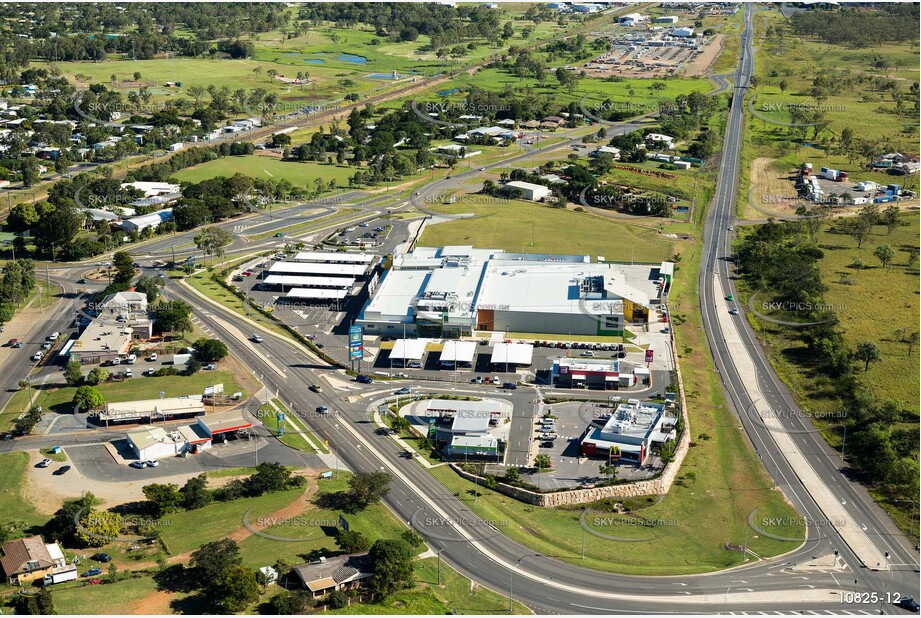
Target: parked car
547	436
44	463
138	464
496	380
152	463
54	336
403	391
148	372
510	386
128	373
46	345
17	345
476	380
546	444
101	557
92	572
209	367
152	357
37	356
279	235
61	471
363	379
363	224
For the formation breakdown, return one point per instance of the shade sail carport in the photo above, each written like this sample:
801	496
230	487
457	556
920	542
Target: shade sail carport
458	352
512	354
408	349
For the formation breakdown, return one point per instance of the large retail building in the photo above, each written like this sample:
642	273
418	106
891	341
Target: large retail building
456	290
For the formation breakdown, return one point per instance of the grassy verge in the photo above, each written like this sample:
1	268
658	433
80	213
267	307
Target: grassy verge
319	223
296	435
455	595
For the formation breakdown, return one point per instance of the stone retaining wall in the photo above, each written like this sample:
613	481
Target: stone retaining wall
657	486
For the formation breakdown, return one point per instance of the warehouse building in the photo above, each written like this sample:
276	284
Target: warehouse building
531	191
454	291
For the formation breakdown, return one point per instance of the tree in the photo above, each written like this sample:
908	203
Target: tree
290	603
212	561
542	462
163	498
22	216
884	254
73	374
57	225
910	340
868	352
859	228
412	538
268	477
150	286
667	451
337	599
97	375
38	604
210	350
783	85
194	493
352	541
212	241
366	488
97	528
392	561
88	397
124	267
174	316
890	218
237	589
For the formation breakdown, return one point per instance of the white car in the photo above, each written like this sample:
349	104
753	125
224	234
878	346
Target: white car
257	338
128	373
153	357
46	345
152	463
37	356
731	228
54	336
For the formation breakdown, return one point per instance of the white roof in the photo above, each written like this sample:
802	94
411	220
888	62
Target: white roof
319	293
309	282
409	349
152	189
528	186
309	268
512	353
54	551
460	351
334	257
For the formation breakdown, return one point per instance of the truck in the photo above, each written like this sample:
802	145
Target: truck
61	574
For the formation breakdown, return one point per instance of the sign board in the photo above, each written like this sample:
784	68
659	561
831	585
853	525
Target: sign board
649	354
281	417
356	346
343	523
217	389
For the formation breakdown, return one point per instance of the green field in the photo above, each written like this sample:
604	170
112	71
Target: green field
13	507
454	595
871	304
534	228
59	398
301	173
75	599
871	114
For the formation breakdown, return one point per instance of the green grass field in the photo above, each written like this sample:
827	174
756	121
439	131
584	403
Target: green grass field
871	304
13	506
59	398
534	228
302	173
454	596
74	599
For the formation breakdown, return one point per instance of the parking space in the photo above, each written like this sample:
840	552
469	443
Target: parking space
562	445
365	235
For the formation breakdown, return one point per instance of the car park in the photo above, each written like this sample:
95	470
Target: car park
101	557
44	463
61	471
138	464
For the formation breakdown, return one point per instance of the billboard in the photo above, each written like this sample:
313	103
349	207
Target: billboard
649	355
356	347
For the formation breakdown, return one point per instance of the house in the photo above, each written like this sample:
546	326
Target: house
532	192
531	124
664	140
456	151
28	559
611	150
338	573
555	120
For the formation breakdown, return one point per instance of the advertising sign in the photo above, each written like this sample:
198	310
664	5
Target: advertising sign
356	347
649	355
